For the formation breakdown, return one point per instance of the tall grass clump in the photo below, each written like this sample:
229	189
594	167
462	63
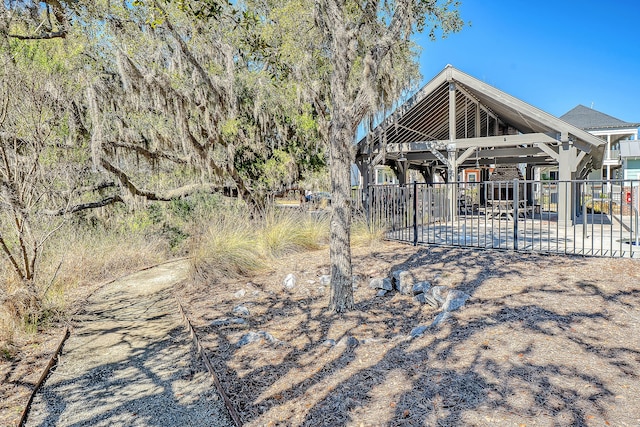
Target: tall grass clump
236	244
228	246
285	231
366	233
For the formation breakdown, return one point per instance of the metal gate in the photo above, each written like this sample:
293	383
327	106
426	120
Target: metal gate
594	218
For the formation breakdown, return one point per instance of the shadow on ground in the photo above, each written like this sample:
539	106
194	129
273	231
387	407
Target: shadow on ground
542	339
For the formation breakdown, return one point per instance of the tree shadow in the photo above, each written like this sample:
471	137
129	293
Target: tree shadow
531	344
152	372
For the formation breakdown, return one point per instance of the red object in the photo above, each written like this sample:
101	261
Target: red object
629	197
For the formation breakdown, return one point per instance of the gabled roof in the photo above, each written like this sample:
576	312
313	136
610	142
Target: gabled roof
425	117
589	119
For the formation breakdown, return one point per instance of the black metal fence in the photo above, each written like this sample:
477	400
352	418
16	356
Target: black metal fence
596	218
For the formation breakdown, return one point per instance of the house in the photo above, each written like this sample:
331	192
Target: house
614	131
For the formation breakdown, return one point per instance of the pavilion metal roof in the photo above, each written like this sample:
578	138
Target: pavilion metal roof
499	127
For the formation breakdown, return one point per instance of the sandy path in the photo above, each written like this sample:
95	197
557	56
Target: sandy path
130	362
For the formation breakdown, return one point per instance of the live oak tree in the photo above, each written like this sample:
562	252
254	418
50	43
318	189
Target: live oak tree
356	59
210	95
180	94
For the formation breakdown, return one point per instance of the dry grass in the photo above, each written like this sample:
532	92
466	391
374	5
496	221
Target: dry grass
235	244
542	341
71	260
73	263
366	233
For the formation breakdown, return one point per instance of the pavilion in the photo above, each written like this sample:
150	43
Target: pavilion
457	121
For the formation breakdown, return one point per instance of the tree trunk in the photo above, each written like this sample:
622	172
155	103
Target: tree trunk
340	243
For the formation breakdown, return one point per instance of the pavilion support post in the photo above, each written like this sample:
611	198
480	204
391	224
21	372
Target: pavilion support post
452	172
452	164
529	186
401	167
567	156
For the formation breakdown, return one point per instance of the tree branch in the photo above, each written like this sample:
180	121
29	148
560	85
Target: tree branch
84	206
184	191
45	36
148	154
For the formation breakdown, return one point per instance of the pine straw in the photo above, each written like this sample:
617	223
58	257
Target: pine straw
542	341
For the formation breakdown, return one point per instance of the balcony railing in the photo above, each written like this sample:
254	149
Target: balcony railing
612	155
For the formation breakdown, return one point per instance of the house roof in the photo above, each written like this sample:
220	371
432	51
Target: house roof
589	119
500	127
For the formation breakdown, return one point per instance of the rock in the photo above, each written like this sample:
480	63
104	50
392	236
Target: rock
441	318
402	281
429	299
252	337
421	287
290	282
380	283
321	289
241	293
348	341
241	310
455	299
418	331
395	276
267	336
249	338
325	279
382	292
420	298
226	321
329	343
439	293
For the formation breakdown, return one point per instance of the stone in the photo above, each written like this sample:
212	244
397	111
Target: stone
382	292
241	293
442	317
395	276
420	298
421	287
418	331
241	310
455	299
325	280
249	338
329	343
402	281
439	293
349	341
267	336
289	282
252	337
429	299
380	283
228	321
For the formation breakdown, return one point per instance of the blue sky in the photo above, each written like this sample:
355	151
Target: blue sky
553	55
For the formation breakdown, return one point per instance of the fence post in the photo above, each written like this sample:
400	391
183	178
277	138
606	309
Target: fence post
516	203
415	213
584	212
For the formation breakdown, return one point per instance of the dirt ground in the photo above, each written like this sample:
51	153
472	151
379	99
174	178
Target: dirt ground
543	341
